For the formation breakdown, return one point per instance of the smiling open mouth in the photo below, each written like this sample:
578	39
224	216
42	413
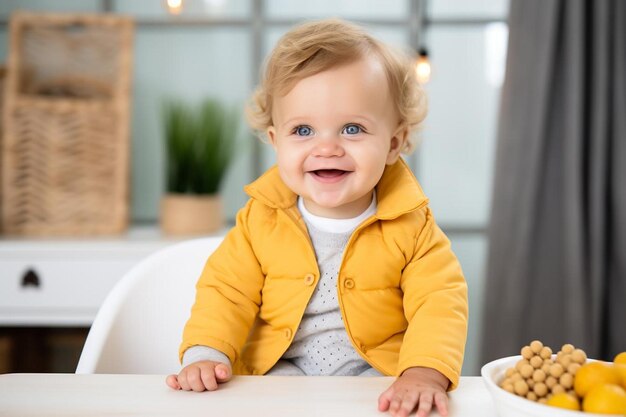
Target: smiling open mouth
329	176
329	173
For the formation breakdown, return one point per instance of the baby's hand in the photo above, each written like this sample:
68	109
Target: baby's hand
416	387
200	376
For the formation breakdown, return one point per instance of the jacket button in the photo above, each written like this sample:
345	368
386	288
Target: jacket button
288	334
309	279
348	283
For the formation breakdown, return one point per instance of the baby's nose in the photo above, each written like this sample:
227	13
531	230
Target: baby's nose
328	145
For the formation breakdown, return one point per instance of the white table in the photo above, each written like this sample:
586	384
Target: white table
246	396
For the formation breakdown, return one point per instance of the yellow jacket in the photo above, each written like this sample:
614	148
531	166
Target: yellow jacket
400	288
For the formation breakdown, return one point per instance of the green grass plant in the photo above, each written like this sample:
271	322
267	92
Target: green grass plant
200	145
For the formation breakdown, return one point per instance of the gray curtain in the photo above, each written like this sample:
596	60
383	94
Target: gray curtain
557	241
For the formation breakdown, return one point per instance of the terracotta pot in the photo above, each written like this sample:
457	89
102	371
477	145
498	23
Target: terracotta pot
188	214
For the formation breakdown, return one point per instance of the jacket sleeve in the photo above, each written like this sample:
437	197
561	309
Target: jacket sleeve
435	305
228	294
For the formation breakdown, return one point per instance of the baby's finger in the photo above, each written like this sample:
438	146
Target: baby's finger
182	381
222	373
172	382
207	374
425	404
385	399
396	402
408	404
194	379
441	401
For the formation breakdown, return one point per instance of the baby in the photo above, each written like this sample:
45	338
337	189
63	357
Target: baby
335	265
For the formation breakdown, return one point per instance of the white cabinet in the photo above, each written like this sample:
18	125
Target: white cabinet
62	282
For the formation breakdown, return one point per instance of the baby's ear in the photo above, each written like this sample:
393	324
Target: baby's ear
397	145
271	136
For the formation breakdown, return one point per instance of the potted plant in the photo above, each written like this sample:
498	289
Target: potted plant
200	144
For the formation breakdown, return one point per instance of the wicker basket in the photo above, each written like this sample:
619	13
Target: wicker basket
3	72
66	117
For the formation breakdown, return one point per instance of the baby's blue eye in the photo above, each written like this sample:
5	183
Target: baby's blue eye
352	129
303	131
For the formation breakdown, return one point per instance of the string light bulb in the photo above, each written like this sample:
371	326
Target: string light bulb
174	6
422	66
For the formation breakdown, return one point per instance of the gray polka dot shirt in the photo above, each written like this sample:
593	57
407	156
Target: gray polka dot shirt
321	345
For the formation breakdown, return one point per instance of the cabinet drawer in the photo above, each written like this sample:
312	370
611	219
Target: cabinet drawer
56	292
74	275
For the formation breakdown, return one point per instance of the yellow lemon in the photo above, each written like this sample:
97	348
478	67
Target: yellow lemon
564	400
621	372
620	358
594	373
620	367
605	399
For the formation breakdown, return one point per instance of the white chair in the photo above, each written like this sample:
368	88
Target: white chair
139	327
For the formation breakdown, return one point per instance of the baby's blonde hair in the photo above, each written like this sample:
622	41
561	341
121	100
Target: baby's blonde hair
313	47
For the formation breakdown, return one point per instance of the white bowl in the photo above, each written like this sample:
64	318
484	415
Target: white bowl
511	405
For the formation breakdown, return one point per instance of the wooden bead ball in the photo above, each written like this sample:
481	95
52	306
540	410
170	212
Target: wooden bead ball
566	381
546	352
579	356
539	375
526	371
521	363
520	387
540	389
556	370
536	346
527	352
565	360
536	362
573	368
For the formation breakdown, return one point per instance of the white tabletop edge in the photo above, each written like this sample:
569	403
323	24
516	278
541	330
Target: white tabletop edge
138	395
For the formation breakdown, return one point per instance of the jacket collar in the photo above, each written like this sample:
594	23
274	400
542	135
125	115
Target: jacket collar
398	191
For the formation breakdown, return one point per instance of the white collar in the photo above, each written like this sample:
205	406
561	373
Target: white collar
326	224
